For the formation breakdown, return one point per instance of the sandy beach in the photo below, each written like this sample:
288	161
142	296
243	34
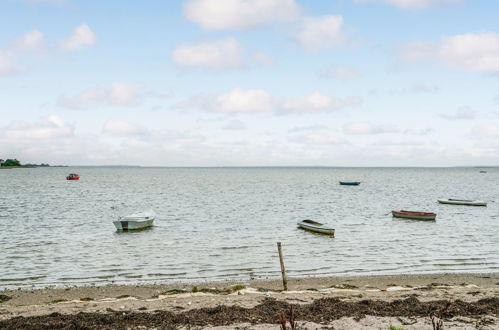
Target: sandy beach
364	302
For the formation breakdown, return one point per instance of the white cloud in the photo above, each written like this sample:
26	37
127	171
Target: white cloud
412	3
240	14
123	94
474	52
122	128
217	55
364	128
259	100
118	94
31	41
462	113
82	36
317	102
239	100
321	32
51	127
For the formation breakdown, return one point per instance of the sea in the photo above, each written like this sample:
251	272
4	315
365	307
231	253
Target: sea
216	224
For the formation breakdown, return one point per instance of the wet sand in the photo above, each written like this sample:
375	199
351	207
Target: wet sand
368	302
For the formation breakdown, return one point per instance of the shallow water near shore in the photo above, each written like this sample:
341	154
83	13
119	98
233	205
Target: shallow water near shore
223	223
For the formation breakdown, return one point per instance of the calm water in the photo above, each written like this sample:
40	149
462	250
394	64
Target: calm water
223	223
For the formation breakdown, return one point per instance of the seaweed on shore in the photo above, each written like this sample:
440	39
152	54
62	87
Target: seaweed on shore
320	311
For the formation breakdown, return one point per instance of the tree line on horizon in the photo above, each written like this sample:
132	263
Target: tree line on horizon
15	162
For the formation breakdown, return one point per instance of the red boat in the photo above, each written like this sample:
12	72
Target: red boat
73	176
414	215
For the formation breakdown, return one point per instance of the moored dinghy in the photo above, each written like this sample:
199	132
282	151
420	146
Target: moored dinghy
135	221
349	183
462	202
414	215
315	226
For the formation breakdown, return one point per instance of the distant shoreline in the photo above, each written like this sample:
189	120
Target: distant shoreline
29	166
11	167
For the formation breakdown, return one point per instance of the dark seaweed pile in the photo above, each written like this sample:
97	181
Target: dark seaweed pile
320	311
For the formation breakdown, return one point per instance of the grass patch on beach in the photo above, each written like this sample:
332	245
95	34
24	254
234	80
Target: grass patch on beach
4	298
392	327
169	293
56	301
86	299
173	291
123	296
228	290
237	287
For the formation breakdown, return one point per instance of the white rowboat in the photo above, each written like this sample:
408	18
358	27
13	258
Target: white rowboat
135	221
315	227
462	202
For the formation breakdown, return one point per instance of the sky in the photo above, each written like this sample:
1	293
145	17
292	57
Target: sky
250	82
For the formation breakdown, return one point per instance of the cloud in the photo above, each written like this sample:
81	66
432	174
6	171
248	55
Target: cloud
51	127
340	72
364	128
317	102
260	101
473	52
122	128
462	113
118	94
240	14
217	55
414	4
31	41
82	36
321	32
240	101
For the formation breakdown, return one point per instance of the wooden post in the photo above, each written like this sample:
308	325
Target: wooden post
283	270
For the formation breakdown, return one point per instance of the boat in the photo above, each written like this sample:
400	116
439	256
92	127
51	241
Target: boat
315	226
135	221
414	215
462	202
73	176
349	183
